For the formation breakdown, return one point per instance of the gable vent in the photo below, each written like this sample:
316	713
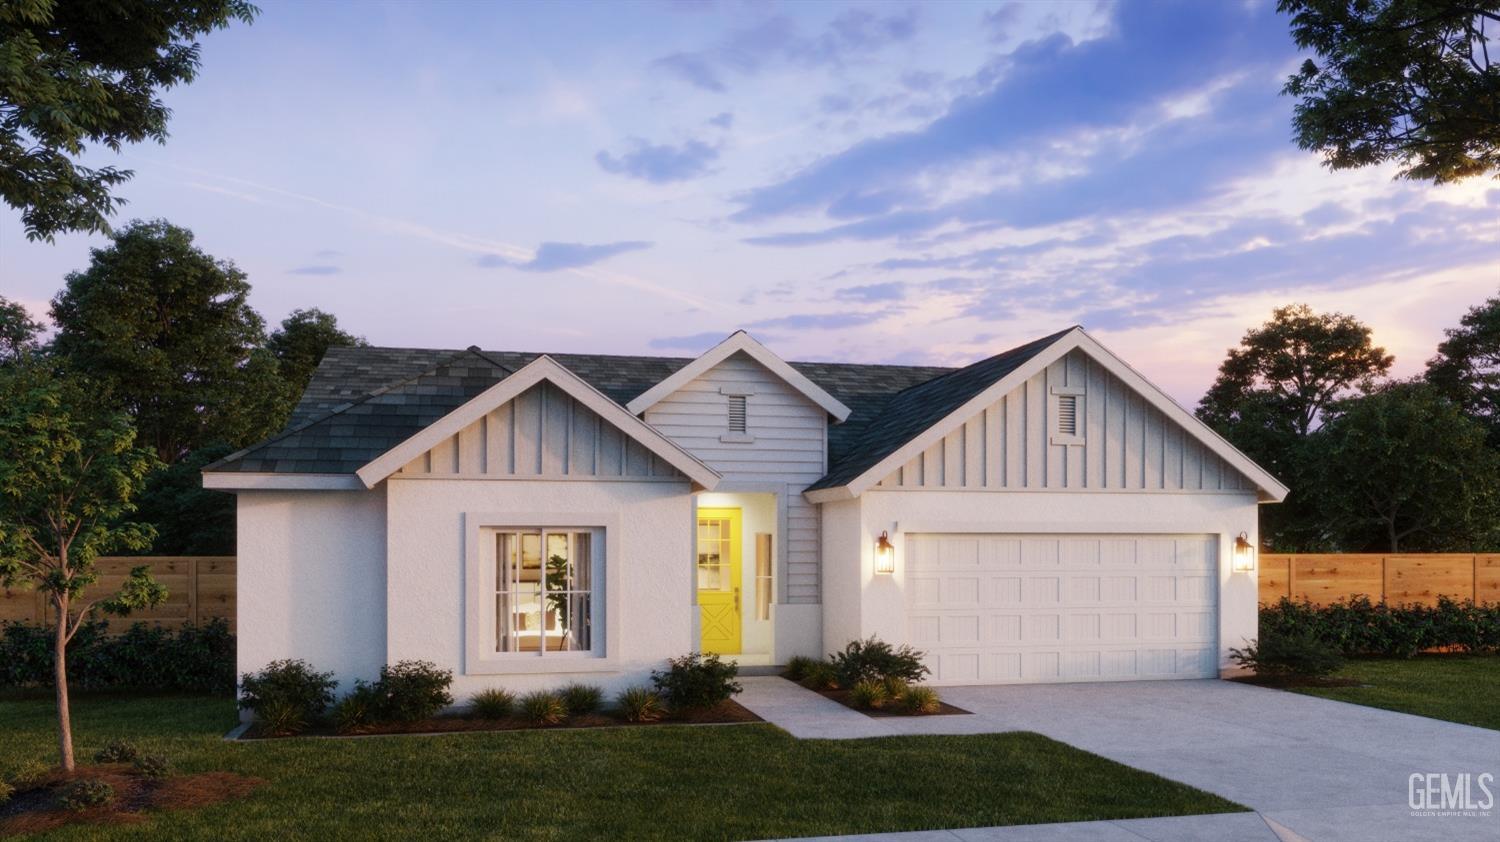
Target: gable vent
736	413
1067	415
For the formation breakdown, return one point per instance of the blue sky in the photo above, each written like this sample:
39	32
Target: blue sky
868	182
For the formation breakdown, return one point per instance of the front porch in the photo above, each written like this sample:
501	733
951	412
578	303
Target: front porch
740	564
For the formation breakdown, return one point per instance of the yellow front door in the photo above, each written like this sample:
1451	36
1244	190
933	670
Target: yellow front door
719	579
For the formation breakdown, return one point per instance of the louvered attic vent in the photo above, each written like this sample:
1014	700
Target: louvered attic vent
736	413
1067	415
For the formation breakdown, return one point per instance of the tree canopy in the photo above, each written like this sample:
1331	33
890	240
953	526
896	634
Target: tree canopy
1285	372
302	340
1270	396
1403	469
18	331
1467	365
1404	80
167	331
77	72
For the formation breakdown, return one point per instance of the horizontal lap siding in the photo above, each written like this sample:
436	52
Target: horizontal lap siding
788	449
542	434
1128	445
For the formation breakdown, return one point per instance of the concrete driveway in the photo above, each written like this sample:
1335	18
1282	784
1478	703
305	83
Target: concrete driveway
1326	771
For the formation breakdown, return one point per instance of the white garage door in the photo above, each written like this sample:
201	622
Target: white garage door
1042	608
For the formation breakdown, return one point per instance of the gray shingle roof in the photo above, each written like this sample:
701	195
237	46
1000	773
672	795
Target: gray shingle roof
906	415
361	402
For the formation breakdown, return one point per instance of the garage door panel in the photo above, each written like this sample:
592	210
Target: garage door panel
1083	608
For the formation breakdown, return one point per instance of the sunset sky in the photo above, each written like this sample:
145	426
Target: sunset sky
863	182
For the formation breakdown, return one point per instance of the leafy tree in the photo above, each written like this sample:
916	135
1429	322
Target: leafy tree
18	332
1467	365
75	72
302	340
168	331
69	471
1270	396
188	519
1407	80
1402	469
1287	370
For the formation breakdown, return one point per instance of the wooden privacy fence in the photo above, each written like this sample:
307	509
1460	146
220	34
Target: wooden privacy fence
199	588
1420	578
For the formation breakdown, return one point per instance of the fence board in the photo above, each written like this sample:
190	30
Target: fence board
199	588
1420	578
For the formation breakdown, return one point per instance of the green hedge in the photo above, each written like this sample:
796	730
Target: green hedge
1360	627
194	659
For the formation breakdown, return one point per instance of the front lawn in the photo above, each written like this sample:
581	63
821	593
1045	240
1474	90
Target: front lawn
1458	688
669	782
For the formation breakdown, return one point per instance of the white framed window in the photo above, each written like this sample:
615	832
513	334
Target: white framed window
545	586
1067	418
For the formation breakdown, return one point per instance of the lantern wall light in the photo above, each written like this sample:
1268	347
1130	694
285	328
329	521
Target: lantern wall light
885	554
1244	554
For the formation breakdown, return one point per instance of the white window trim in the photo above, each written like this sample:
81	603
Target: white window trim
1053	402
480	657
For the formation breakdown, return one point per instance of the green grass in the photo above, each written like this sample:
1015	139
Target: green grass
668	782
1458	688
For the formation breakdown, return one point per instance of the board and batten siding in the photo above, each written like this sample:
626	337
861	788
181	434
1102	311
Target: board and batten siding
1127	444
541	434
788	449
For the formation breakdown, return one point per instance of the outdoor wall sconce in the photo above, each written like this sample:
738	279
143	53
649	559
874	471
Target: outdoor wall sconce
885	554
1244	554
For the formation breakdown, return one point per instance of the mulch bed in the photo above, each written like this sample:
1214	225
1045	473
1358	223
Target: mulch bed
725	713
36	809
1282	682
842	697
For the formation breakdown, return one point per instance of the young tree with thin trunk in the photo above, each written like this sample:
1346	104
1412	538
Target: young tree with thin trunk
69	471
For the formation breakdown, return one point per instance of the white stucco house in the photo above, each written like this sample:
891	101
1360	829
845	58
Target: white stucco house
528	519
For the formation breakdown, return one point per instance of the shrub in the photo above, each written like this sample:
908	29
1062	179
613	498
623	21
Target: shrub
797	667
582	698
544	707
920	700
6	791
1300	653
493	703
27	773
820	675
895	688
282	718
356	710
196	659
116	751
640	704
868	694
874	659
413	690
286	695
152	765
1359	627
696	681
86	793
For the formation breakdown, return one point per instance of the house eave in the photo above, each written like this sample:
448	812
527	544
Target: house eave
266	481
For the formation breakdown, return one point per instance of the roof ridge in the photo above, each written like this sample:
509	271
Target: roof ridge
653	357
1048	339
348	405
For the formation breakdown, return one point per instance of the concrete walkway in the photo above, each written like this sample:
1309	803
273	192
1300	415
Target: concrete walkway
1320	770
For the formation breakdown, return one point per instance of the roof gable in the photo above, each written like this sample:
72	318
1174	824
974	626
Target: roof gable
344	437
543	368
739	342
924	414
